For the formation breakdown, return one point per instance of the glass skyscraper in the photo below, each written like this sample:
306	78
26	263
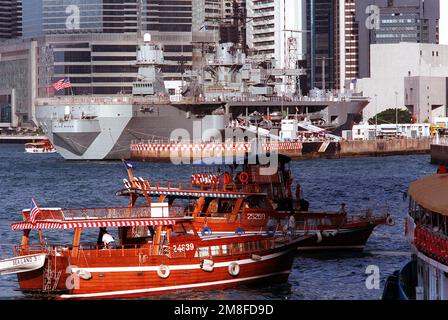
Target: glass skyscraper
43	17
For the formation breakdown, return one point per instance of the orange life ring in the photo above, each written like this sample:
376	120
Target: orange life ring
226	178
244	177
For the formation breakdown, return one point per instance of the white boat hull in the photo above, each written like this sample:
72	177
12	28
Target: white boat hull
22	264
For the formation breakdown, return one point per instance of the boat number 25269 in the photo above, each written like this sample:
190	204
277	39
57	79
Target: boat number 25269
256	216
183	247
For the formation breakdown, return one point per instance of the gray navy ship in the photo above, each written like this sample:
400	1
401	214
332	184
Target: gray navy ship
227	87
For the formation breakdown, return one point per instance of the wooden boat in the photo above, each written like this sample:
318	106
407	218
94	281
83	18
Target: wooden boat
158	251
238	199
338	231
43	146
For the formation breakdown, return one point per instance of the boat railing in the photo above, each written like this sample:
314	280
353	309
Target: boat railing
314	220
198	182
124	213
432	242
64	215
92	250
193	143
57	249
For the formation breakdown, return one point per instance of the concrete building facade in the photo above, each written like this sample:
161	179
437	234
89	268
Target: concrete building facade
391	65
426	97
18	85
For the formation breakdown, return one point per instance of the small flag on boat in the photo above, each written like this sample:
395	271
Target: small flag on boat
34	211
62	84
128	164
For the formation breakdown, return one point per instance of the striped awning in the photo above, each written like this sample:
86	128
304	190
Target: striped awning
92	224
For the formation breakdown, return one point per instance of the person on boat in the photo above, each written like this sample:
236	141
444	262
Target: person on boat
107	239
99	240
301	204
343	211
299	193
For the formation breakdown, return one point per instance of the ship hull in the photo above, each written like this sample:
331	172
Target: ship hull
109	133
345	239
127	277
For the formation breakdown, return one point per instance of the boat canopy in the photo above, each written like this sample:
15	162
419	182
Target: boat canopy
94	224
431	193
56	218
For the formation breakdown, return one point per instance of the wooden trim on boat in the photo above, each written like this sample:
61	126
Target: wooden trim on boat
76	241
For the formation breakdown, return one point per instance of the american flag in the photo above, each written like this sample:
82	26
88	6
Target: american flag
62	84
34	211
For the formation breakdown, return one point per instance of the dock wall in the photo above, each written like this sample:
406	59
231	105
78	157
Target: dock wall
384	147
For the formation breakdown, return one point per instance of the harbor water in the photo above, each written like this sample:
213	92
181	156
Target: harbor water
360	183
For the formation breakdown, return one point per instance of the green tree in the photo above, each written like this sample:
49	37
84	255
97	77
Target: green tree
388	116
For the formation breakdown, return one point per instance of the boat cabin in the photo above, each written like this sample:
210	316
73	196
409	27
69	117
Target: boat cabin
136	228
224	190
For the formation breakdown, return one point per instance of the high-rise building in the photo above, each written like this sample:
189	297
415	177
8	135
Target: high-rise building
394	21
275	30
10	19
168	21
44	17
321	42
170	24
95	63
224	20
347	51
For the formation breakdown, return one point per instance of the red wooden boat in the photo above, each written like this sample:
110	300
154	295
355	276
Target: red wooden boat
337	230
157	251
238	199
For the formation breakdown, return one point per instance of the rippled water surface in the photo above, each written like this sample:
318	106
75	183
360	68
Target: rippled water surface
359	182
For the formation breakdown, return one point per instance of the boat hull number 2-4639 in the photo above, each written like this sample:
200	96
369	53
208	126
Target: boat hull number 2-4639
183	247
